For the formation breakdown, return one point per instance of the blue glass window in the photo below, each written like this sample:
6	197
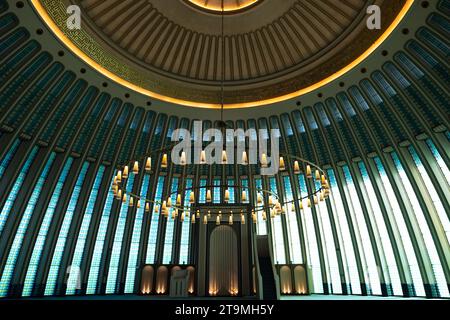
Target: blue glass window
151	248
295	248
343	229
43	231
184	244
136	238
16	188
168	240
99	244
441	289
111	282
62	237
81	241
7	159
415	285
23	227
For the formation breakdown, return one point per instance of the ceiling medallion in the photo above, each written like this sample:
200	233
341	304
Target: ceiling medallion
229	6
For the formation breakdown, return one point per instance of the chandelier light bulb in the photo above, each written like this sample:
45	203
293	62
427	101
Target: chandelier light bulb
242	219
264	160
148	165
244	196
230	219
136	167
203	157
208	196
183	158
193	219
296	167
147	207
119	195
260	199
124	199
119	176
224	157
205	220
282	165
227	196
317	175
192	197
308	171
131	203
178	200
198	214
309	202
125	172
218	220
264	216
244	158
156	209
164	161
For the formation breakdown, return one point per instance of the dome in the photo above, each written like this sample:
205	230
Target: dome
369	108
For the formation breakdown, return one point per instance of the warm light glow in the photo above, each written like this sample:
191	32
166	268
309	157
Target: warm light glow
148	164
296	167
228	5
99	68
282	165
125	172
164	161
244	158
136	167
208	196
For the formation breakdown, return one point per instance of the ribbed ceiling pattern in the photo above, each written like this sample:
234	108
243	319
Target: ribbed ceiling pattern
286	43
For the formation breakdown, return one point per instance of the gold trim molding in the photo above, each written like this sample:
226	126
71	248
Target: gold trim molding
82	44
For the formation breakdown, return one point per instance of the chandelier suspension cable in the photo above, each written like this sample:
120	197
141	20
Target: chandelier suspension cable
222	82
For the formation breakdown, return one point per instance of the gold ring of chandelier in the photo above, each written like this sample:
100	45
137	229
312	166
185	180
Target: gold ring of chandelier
272	203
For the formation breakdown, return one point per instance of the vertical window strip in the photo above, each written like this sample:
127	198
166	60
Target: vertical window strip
184	243
349	258
394	285
426	233
168	239
125	209
99	244
277	230
311	242
16	188
35	259
416	288
261	225
62	237
445	170
151	248
217	195
244	183
362	233
231	190
23	227
133	264
202	192
295	249
9	155
73	279
328	244
444	220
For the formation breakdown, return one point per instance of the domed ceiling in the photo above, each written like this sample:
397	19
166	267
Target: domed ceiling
172	50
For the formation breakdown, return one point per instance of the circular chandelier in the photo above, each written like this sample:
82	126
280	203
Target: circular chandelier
266	201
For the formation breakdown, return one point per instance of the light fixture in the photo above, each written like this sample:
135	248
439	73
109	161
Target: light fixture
136	167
